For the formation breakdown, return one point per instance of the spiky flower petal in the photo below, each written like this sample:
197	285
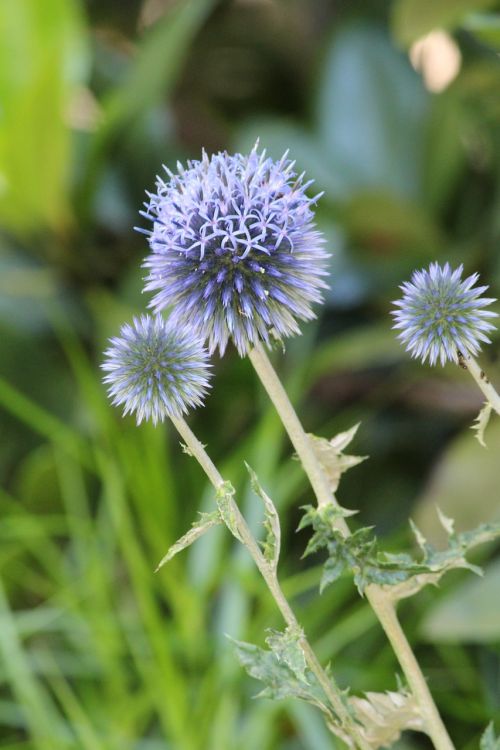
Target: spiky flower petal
441	315
234	249
156	369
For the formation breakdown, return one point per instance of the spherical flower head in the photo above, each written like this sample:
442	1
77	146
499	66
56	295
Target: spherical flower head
234	249
440	315
156	369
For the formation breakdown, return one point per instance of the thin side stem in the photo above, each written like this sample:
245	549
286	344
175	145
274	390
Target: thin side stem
380	601
332	692
492	397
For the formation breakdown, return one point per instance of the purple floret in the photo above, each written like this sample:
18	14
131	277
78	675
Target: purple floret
235	252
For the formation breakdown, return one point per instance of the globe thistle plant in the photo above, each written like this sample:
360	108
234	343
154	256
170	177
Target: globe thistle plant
156	369
440	315
234	249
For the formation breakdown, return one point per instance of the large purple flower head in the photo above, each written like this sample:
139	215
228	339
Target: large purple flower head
234	249
441	314
156	369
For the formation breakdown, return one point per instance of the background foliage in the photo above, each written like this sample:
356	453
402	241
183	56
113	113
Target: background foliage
97	652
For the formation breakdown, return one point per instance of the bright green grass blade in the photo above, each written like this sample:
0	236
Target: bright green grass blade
159	671
42	422
41	717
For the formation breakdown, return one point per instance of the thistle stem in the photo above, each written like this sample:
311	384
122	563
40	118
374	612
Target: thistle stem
380	600
291	422
331	690
469	363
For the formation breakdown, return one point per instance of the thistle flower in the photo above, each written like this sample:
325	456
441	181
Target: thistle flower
156	369
441	316
234	249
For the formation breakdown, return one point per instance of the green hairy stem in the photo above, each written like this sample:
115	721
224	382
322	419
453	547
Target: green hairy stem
492	397
330	689
380	601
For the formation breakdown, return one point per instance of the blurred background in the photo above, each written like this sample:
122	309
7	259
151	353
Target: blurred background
394	109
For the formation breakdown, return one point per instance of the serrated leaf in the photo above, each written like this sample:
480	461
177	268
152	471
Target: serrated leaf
481	422
283	682
279	679
489	741
321	519
435	563
357	554
384	716
225	502
331	456
380	717
402	574
287	648
272	542
200	527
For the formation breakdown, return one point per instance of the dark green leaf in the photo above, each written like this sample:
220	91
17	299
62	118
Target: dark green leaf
359	554
280	681
288	650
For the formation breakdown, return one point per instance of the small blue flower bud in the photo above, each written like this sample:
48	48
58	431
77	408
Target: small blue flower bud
440	315
156	369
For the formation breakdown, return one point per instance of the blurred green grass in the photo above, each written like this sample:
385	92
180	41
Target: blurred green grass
96	651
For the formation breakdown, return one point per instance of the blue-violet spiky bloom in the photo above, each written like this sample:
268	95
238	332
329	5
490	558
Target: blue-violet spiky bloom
156	369
234	249
440	315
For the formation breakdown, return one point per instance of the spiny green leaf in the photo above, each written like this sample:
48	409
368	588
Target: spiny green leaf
356	553
385	715
360	555
489	740
435	563
331	456
272	543
225	502
279	679
288	650
322	520
481	422
205	522
380	717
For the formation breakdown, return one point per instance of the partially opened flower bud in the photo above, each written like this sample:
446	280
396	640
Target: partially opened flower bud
156	369
441	315
234	249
